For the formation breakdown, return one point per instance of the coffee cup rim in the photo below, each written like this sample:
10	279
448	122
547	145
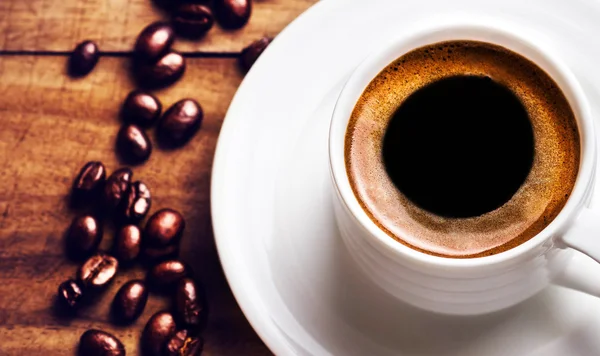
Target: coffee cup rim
518	39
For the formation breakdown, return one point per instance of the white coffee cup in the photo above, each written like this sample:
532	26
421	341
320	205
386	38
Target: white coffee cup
473	285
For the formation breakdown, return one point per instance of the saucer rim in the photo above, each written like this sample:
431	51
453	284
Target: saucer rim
269	333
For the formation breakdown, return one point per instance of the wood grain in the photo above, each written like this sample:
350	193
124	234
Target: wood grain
51	25
50	125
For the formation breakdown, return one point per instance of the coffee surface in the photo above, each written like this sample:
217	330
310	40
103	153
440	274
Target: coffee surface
467	154
462	149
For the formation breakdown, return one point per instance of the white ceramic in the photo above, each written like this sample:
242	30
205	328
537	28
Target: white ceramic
473	285
273	214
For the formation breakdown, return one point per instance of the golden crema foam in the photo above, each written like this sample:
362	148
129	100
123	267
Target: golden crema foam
535	203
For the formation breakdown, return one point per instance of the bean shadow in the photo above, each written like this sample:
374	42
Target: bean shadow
64	313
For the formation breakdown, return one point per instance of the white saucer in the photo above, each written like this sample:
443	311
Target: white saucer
271	197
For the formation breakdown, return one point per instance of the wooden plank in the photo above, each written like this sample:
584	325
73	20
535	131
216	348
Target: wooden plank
49	25
49	126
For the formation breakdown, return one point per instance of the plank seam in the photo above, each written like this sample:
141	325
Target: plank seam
118	54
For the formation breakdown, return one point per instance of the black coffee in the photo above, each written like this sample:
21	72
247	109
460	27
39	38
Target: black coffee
462	149
459	147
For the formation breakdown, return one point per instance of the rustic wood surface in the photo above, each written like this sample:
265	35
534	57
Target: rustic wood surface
56	25
50	125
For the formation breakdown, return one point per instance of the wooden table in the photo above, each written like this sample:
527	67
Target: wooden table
50	125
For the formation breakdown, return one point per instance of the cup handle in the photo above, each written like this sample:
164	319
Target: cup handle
584	234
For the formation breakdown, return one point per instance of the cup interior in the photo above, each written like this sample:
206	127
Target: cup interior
520	40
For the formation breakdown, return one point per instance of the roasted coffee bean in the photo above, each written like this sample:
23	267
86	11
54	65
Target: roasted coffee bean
251	53
165	71
167	274
130	301
192	20
128	241
153	255
184	344
89	182
157	332
133	145
180	123
141	108
100	343
232	13
84	236
190	305
83	59
154	41
136	204
70	293
98	271
115	188
165	227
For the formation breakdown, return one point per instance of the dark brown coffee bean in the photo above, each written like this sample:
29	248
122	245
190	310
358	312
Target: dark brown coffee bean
190	305
133	145
184	344
84	58
165	71
153	255
89	182
192	20
136	204
128	241
157	332
251	53
167	274
70	293
165	227
98	271
232	13
84	236
100	343
180	123
115	188
130	301
141	108
154	41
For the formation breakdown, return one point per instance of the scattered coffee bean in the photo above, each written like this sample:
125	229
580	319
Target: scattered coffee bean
190	305
84	236
98	271
165	71
128	240
184	344
167	274
130	301
180	123
83	59
232	13
154	41
192	20
251	53
136	204
141	108
133	145
89	182
165	227
153	255
157	332
115	188
100	343
70	293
